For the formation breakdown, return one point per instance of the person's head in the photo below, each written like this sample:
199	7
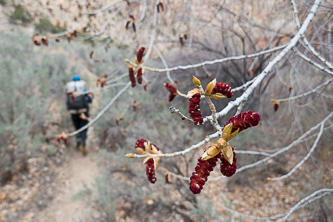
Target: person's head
76	78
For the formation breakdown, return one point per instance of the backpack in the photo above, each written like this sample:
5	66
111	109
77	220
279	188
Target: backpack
79	101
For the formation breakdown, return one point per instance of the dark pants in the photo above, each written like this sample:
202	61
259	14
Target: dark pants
79	123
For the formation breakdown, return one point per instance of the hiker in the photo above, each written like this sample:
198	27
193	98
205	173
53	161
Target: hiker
78	105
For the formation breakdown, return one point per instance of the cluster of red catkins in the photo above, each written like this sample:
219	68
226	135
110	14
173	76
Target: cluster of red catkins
144	147
204	167
223	89
243	121
194	105
140	71
198	179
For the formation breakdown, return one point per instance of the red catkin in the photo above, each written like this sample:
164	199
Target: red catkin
223	88
150	170
140	144
202	171
244	120
140	53
194	109
139	75
131	76
227	169
172	90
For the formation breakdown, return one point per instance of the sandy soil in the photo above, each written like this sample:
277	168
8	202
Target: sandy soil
71	177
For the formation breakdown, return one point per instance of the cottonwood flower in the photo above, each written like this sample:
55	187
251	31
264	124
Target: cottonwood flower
194	109
172	90
202	171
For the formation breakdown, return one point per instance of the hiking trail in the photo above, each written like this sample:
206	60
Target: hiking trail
70	179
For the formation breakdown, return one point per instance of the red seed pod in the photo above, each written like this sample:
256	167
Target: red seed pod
161	6
45	41
227	169
154	149
150	170
222	88
181	41
276	105
139	75
35	39
167	179
202	171
194	109
140	144
131	76
172	90
244	120
134	27
140	54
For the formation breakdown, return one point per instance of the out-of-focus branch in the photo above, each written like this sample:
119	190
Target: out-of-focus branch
164	170
216	61
301	204
102	88
107	23
244	85
104	8
304	94
164	62
306	41
305	158
322	68
111	80
85	19
304	200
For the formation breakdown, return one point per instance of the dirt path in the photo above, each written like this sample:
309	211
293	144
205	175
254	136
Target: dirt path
72	177
78	171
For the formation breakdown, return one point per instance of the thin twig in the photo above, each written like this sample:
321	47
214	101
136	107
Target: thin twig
305	158
322	68
295	207
211	62
181	115
183	152
306	41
